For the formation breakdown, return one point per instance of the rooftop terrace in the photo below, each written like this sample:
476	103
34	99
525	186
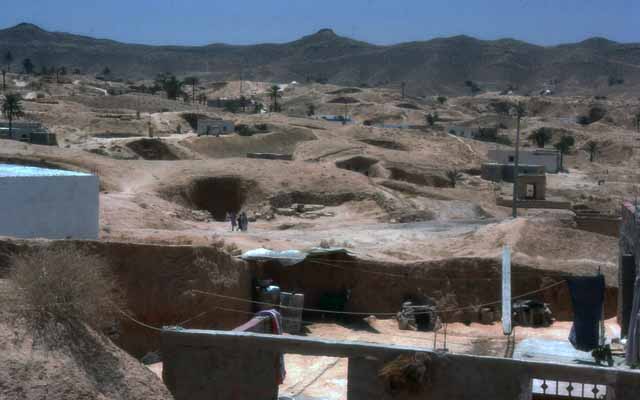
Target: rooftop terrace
12	170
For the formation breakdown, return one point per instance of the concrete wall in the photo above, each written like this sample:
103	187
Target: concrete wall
539	183
52	207
630	232
31	132
238	366
497	172
550	159
602	224
629	255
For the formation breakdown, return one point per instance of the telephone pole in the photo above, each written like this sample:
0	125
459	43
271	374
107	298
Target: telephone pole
519	110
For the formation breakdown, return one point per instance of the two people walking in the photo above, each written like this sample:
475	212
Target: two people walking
239	221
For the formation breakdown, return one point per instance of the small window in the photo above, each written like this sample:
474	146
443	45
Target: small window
531	191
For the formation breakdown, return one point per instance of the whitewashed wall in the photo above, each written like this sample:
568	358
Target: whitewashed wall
52	207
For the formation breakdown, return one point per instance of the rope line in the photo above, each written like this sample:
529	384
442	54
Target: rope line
395	335
473	306
413	337
138	322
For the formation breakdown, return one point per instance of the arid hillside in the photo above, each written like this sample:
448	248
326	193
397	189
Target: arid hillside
450	66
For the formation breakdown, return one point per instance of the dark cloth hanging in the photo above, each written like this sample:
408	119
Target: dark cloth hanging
633	343
587	297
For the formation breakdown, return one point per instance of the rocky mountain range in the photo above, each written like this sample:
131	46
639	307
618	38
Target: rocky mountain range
438	66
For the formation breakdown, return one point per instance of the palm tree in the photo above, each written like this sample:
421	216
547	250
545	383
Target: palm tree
274	93
28	66
170	84
541	137
192	81
564	146
453	175
592	148
8	60
12	108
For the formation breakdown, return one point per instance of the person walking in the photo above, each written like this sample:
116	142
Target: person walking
245	222
240	221
233	219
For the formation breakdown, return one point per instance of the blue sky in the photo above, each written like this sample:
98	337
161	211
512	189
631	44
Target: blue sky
198	22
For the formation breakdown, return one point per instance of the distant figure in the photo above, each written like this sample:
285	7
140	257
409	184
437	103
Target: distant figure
233	218
239	221
242	221
245	222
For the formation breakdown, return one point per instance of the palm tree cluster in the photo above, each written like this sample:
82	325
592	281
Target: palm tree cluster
274	93
171	85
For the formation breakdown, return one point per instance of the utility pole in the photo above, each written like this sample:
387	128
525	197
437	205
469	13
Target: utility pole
346	113
519	109
241	80
242	66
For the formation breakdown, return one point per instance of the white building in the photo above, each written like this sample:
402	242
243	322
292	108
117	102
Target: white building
548	158
48	203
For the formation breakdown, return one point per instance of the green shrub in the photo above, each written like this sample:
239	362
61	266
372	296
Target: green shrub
261	127
244	130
